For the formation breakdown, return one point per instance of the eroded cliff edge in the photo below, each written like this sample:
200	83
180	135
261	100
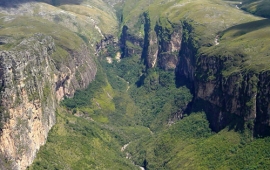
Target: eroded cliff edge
226	84
32	84
229	93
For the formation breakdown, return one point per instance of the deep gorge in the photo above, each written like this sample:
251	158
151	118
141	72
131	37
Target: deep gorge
182	92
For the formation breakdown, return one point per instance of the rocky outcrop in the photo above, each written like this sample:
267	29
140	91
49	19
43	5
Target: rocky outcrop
130	44
150	46
169	45
152	50
108	40
160	47
187	61
32	84
239	99
244	94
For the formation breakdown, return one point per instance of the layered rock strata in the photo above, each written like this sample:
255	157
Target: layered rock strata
32	84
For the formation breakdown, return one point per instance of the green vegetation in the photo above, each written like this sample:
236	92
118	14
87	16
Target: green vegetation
129	103
104	18
111	112
207	16
260	8
242	38
20	25
190	144
78	143
97	120
244	47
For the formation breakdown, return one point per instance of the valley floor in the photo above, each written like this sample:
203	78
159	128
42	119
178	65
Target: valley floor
107	126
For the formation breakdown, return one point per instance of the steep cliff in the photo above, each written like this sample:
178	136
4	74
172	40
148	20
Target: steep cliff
47	53
232	90
169	43
31	87
159	47
130	44
226	78
208	44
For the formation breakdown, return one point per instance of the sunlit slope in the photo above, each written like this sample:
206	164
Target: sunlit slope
217	26
247	44
90	20
207	16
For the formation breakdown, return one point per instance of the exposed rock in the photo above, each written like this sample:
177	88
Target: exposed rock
240	99
160	47
108	40
31	87
187	60
243	95
150	46
169	46
130	44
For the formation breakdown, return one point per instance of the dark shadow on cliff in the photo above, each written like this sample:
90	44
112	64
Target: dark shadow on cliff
140	82
249	27
232	121
16	3
183	81
261	130
236	123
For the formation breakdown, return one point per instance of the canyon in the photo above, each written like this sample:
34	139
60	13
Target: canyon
50	50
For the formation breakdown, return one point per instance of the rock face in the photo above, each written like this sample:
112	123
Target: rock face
160	47
169	46
240	99
244	94
108	40
32	84
130	44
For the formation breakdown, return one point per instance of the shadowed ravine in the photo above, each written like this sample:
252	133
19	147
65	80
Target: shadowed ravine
124	84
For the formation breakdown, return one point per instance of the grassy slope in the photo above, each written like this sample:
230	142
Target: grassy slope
250	40
239	33
260	8
24	27
208	16
61	22
188	144
103	16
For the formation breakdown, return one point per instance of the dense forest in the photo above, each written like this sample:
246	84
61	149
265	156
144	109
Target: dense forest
124	84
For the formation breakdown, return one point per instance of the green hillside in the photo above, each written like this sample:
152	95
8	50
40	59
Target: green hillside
260	8
150	110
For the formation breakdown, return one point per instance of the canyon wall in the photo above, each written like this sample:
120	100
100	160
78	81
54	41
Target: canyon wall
32	84
237	99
